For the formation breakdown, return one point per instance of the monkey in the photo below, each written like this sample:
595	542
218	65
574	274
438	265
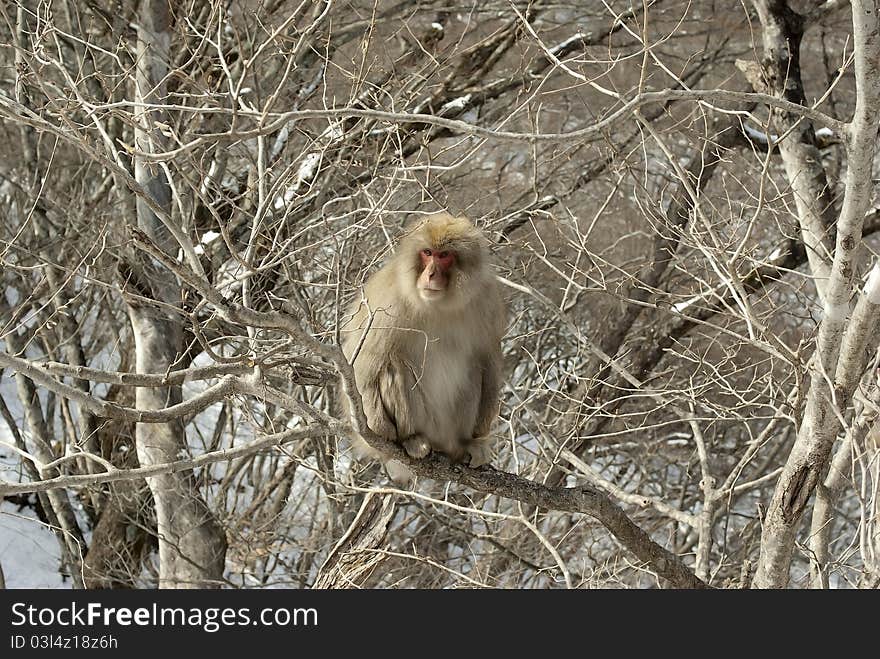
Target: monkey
425	340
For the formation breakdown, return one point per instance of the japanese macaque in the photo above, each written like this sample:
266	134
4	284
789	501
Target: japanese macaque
425	338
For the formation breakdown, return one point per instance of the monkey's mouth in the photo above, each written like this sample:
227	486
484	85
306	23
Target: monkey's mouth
431	294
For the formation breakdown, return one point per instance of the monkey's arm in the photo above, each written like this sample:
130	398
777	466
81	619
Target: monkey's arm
390	402
379	417
490	388
365	346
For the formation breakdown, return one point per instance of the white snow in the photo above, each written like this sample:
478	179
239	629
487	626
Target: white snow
334	132
760	136
305	173
565	44
29	551
209	179
681	306
872	286
456	104
307	168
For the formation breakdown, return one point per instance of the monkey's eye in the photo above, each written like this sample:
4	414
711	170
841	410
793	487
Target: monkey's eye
443	255
426	252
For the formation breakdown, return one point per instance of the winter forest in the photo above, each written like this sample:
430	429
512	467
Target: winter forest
680	202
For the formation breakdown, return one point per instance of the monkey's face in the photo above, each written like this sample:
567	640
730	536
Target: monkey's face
436	267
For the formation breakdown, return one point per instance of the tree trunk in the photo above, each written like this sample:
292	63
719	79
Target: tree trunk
844	339
192	546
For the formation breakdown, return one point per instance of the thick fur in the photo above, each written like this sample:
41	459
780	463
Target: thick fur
429	372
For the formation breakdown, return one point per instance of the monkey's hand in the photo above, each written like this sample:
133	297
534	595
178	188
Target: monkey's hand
417	447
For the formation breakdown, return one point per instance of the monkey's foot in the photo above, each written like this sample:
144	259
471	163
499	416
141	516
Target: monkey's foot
400	474
417	447
480	453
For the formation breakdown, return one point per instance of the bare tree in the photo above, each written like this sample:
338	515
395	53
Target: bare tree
191	545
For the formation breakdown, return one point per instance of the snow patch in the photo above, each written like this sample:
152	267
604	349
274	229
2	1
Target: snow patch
681	306
29	551
760	136
565	44
872	286
456	104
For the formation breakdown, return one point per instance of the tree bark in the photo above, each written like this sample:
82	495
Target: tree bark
842	343
192	546
782	31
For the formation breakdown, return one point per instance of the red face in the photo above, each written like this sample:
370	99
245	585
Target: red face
434	277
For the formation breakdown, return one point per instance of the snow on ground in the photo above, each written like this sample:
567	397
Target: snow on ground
29	551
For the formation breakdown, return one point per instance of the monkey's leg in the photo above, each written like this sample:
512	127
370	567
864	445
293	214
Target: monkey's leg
479	451
400	473
417	446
